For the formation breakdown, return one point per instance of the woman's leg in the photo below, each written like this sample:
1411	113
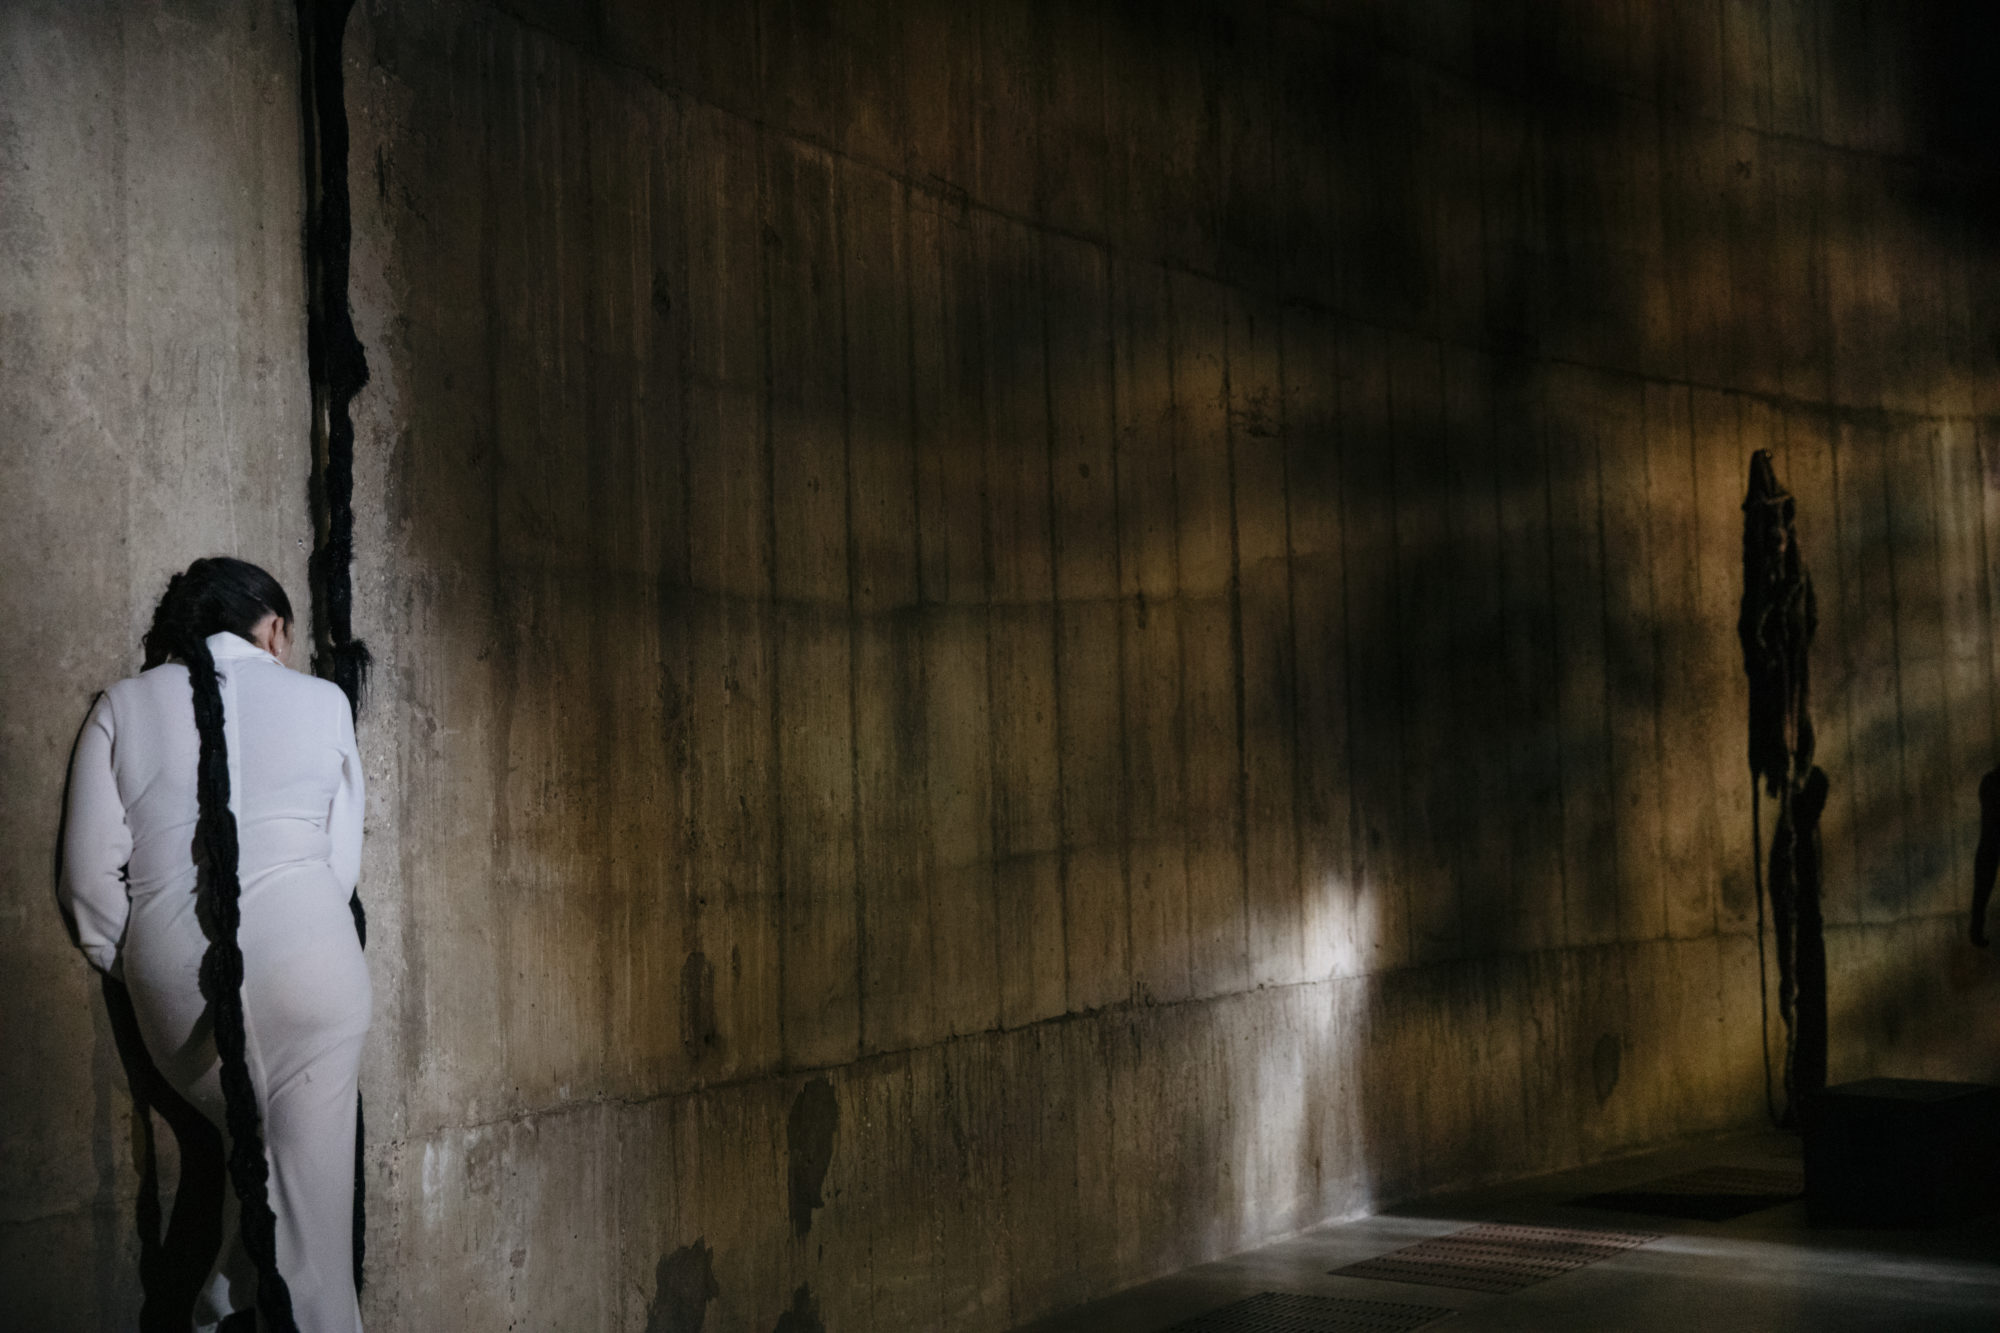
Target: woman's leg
306	1009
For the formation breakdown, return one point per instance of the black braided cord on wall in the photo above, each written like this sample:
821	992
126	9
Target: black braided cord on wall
338	366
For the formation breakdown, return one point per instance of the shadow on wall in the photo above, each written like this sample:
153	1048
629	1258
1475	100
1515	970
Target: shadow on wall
177	1242
174	1258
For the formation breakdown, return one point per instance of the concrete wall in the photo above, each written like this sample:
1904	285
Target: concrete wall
1022	644
153	408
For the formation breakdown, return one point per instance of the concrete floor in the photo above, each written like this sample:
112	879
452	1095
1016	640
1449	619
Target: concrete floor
1765	1271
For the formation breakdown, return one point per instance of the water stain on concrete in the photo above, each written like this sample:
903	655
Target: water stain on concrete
1605	1059
683	1286
698	1027
803	1317
809	1137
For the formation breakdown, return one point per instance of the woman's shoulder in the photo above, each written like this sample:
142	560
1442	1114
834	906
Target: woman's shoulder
148	684
308	693
167	683
326	694
298	684
154	676
157	692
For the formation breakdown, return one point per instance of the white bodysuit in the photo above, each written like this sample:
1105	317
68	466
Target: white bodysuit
129	880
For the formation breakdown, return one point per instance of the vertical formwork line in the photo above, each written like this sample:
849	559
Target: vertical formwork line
923	623
1889	545
1399	639
1056	619
1659	704
1564	779
1293	670
1240	815
1110	352
1175	434
983	266
774	628
839	228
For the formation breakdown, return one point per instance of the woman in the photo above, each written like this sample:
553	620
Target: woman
213	838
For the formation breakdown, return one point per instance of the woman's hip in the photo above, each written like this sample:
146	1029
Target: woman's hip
305	981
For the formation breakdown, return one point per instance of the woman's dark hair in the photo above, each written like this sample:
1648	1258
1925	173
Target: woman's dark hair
213	596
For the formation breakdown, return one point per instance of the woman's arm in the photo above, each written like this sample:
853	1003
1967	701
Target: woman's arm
97	843
343	824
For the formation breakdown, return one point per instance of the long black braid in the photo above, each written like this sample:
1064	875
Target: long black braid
216	595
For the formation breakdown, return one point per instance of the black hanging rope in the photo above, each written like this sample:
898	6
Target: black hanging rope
338	367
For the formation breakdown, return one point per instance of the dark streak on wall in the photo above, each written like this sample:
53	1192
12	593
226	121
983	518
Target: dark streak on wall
683	1285
809	1133
698	1030
803	1317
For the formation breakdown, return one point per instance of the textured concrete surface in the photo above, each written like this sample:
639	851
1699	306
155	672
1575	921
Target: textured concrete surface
1025	644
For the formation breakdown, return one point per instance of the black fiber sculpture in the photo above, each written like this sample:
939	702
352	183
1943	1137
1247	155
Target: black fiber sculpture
1778	618
338	367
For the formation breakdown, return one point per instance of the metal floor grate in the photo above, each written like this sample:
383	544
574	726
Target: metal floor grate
1712	1194
1498	1256
1282	1312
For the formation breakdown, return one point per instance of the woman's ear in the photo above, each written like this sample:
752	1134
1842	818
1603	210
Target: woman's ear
273	635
